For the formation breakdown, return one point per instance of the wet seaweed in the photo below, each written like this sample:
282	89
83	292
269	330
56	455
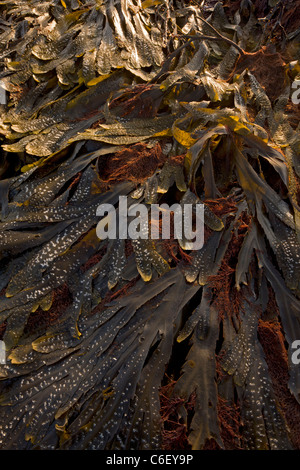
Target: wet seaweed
162	103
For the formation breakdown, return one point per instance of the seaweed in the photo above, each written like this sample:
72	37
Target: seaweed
147	344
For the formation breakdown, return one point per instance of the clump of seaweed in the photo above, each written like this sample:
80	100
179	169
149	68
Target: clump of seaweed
175	433
161	103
